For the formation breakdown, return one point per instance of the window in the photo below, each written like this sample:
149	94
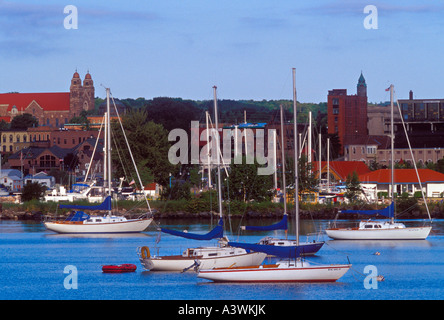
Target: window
371	149
47	161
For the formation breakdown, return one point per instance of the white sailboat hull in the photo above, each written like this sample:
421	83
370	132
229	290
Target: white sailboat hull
128	226
179	262
276	273
417	233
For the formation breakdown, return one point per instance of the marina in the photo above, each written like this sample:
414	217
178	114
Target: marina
34	260
208	175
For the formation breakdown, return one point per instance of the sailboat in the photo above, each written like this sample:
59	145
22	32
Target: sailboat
381	230
222	255
291	246
80	222
291	268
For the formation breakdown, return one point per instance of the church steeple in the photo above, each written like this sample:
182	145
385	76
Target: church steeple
362	87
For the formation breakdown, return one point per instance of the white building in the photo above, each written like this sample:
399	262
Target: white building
42	178
11	179
405	180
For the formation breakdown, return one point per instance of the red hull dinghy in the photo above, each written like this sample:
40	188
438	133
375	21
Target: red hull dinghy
121	268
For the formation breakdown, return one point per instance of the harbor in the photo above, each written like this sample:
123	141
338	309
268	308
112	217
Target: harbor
217	159
32	267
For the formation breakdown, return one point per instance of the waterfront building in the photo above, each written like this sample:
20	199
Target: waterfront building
338	170
405	181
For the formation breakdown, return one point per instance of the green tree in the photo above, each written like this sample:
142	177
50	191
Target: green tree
149	145
353	186
82	119
70	161
440	165
4	125
24	121
172	113
244	183
306	175
33	190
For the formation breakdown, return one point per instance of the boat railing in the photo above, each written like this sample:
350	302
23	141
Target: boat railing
314	236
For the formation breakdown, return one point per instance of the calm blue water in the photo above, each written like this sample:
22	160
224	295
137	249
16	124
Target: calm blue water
32	262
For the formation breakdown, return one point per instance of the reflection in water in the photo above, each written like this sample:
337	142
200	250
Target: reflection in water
97	235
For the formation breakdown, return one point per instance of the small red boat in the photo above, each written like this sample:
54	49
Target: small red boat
120	268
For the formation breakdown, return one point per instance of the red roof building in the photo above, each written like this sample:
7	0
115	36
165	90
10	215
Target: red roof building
50	108
339	170
405	180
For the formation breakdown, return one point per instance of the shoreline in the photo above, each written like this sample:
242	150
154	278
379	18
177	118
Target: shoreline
318	214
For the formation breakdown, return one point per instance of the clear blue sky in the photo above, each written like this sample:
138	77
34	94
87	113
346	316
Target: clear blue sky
181	48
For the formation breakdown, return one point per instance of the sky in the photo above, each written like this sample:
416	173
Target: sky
182	48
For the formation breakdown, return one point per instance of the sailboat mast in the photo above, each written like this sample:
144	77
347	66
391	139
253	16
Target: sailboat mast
208	153
216	120
108	145
284	185
296	182
392	147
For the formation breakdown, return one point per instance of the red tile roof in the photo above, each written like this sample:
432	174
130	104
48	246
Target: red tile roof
49	101
342	168
383	176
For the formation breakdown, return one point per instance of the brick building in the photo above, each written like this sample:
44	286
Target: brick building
347	114
50	108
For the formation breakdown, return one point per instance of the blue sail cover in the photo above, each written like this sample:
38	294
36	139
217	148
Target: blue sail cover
278	251
388	212
105	205
77	216
281	225
217	232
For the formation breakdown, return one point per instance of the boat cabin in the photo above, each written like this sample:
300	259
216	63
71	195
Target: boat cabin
375	225
210	252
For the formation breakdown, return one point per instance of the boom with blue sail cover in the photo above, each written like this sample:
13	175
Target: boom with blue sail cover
388	212
281	225
217	232
280	251
105	205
